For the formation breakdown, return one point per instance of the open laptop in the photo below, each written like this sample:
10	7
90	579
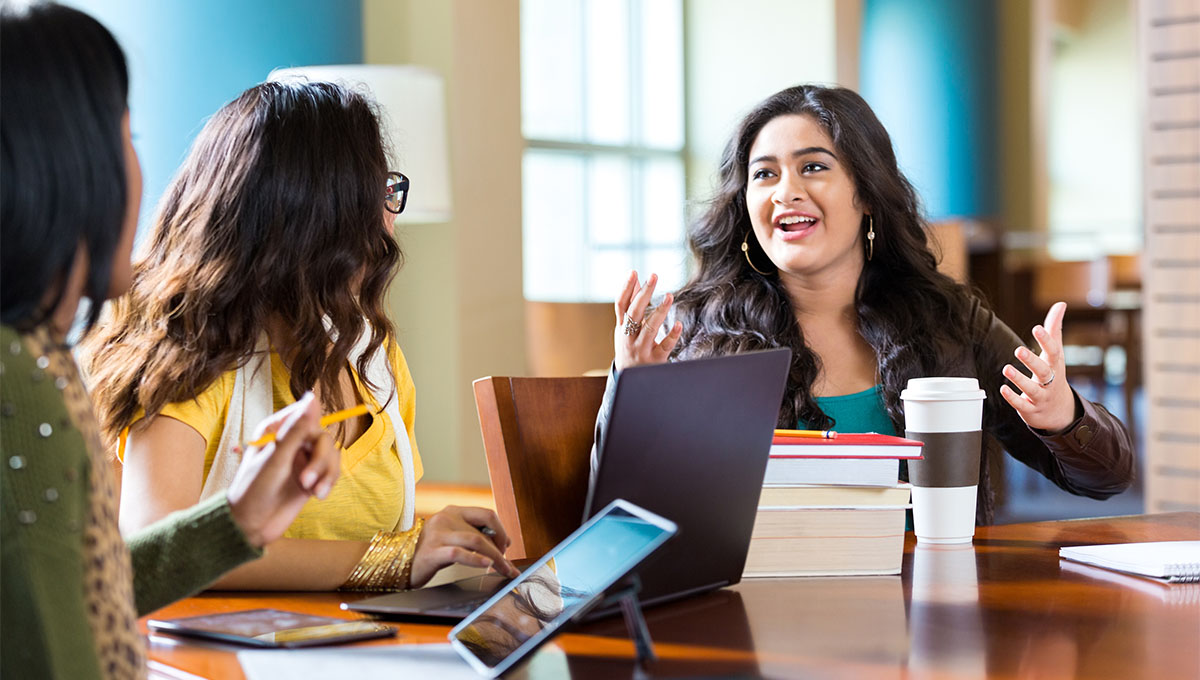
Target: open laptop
687	440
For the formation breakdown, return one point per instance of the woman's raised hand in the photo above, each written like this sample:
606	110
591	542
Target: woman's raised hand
274	481
634	338
456	535
1046	401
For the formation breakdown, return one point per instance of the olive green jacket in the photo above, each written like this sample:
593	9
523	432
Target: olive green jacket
44	482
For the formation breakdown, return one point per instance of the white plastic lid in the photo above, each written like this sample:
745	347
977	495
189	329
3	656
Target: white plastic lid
942	389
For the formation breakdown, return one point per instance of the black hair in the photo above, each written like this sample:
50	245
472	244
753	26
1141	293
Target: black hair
64	84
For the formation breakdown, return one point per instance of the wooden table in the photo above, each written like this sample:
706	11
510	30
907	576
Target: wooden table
1003	607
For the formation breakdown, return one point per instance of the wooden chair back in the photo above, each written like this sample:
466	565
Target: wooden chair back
537	434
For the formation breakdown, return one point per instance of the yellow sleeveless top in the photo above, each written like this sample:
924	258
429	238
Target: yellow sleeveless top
369	495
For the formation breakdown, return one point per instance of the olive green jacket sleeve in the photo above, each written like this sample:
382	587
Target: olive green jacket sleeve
185	552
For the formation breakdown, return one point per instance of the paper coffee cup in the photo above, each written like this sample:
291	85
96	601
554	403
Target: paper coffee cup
946	414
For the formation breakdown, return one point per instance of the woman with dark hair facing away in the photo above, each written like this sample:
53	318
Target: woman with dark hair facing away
265	276
815	241
72	587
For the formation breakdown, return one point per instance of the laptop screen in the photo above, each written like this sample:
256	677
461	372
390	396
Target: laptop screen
558	586
690	440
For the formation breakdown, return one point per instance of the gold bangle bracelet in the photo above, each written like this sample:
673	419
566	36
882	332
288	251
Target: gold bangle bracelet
409	554
387	563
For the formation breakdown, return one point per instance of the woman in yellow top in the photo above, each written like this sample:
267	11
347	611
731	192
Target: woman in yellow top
265	277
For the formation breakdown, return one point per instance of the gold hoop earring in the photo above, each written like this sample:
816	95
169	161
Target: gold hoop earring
870	237
746	252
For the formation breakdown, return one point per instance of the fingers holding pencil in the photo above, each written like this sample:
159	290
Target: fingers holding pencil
326	421
274	481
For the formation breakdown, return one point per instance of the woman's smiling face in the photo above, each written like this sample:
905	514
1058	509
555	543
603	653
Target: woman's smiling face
802	200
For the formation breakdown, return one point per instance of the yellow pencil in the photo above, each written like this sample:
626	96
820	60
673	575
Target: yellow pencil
326	421
807	434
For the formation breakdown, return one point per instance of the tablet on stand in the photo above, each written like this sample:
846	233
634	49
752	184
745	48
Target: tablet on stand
563	585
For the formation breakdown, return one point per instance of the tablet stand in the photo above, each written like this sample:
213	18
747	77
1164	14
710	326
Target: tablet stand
626	595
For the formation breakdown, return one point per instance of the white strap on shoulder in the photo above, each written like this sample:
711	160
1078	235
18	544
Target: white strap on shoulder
250	403
380	375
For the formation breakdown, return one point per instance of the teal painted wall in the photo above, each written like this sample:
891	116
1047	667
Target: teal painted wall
928	68
188	58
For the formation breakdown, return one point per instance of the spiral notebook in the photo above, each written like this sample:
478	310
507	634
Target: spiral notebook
1170	561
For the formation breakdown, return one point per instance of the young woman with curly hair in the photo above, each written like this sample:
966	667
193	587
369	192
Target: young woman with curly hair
815	241
265	276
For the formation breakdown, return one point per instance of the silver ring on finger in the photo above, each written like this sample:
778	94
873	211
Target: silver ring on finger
1048	381
632	327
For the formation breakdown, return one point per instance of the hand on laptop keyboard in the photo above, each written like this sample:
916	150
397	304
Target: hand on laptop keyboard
453	536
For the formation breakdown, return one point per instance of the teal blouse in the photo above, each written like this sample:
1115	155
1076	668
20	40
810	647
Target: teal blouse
862	412
859	412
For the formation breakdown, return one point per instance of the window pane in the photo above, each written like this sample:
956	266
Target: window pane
661	72
553	241
606	273
551	69
663	201
607	72
671	266
609	212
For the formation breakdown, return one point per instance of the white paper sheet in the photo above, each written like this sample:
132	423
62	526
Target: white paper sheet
398	661
394	662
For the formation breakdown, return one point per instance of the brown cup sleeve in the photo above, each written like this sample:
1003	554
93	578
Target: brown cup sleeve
950	459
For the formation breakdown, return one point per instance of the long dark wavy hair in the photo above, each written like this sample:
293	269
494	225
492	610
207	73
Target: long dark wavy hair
64	85
277	213
908	312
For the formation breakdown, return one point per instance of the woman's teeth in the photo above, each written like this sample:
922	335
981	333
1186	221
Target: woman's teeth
796	220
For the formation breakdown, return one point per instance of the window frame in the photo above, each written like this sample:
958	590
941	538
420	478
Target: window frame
637	154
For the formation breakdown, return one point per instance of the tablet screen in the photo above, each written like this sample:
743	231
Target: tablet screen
559	586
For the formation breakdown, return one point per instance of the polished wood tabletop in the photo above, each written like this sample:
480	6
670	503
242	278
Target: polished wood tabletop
1003	607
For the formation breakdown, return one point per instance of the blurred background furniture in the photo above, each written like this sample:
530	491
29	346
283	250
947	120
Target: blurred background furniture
1102	329
568	338
432	497
1084	286
1102	350
948	239
537	435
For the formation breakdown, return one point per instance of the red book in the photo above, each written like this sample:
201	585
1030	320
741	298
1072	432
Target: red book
849	459
846	446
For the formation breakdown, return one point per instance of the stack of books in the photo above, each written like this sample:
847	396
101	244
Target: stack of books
831	507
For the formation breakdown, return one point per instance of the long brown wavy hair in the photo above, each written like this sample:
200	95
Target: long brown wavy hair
277	213
908	312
